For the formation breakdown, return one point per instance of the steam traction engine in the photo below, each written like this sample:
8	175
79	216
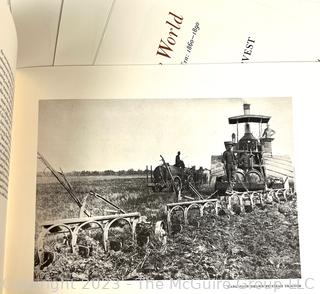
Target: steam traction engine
259	178
257	168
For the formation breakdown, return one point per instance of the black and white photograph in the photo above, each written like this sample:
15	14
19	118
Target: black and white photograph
166	189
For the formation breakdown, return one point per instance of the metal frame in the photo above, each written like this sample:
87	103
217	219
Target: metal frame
73	226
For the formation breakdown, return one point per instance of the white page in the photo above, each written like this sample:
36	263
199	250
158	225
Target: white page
130	31
220	31
221	81
8	51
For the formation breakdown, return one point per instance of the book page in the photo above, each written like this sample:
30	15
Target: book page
8	51
88	122
229	31
166	32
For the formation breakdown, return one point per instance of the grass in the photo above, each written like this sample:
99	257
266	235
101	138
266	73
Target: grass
53	202
263	244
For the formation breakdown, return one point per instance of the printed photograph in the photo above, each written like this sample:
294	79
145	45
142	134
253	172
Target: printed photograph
166	189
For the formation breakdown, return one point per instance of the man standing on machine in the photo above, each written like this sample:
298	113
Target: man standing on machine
229	161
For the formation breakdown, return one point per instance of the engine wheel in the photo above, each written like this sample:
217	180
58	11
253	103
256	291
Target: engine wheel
253	176
239	175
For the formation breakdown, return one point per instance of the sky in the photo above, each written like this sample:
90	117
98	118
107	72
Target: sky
120	134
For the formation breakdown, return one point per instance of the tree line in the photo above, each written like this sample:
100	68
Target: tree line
109	172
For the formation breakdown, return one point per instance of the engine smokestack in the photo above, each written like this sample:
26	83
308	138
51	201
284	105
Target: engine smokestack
246	108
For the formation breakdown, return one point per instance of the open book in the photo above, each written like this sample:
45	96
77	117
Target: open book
151	178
